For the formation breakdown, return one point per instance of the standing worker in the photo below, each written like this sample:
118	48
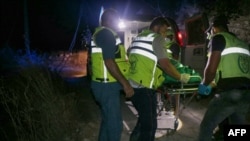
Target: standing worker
148	60
109	66
229	65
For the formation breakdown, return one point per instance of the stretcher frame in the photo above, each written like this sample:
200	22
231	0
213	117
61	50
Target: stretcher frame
181	89
177	89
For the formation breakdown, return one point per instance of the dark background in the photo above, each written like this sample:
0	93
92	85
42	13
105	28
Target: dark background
51	24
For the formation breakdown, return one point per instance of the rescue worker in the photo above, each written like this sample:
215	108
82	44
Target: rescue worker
109	67
173	49
218	132
229	65
148	61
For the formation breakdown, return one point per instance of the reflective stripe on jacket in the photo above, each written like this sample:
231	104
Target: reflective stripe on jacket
143	62
235	59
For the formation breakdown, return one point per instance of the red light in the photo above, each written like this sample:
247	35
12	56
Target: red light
180	38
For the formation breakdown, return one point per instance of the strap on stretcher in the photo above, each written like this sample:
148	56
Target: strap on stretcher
180	85
179	88
182	91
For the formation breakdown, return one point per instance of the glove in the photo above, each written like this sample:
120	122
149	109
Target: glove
204	90
185	78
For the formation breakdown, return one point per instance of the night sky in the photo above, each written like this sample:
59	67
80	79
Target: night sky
53	23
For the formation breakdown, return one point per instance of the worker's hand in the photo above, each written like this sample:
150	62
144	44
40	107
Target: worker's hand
185	78
213	84
204	90
129	91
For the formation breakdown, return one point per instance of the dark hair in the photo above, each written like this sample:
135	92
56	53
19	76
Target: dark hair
158	21
220	21
107	15
222	27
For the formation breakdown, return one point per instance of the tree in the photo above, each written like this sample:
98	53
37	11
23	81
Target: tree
231	8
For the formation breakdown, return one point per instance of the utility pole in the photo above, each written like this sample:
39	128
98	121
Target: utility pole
26	29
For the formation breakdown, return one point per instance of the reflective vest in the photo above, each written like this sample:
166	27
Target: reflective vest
99	71
143	62
235	59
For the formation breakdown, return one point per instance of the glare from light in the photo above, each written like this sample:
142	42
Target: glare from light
121	24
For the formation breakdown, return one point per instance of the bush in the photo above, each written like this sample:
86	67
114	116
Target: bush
39	106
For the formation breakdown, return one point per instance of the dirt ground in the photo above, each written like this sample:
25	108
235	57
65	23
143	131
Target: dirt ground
90	119
192	113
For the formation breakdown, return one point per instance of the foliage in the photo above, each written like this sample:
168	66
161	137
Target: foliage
86	37
13	59
7	59
35	103
231	8
39	106
33	58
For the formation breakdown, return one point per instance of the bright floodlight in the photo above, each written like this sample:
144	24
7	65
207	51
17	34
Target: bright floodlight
121	24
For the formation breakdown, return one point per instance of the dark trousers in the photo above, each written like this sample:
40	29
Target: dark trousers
145	103
108	97
232	104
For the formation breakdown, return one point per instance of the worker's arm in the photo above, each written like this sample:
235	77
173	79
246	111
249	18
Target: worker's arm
116	73
211	67
218	44
168	68
164	63
106	40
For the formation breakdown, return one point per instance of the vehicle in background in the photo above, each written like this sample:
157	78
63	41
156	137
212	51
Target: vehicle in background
131	28
194	51
193	43
177	33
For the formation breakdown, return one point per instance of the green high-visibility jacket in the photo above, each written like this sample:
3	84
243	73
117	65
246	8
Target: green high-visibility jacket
143	62
235	59
99	70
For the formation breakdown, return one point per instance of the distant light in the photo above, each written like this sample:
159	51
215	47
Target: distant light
180	38
121	24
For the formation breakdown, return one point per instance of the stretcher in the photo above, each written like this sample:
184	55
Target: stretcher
168	119
168	115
